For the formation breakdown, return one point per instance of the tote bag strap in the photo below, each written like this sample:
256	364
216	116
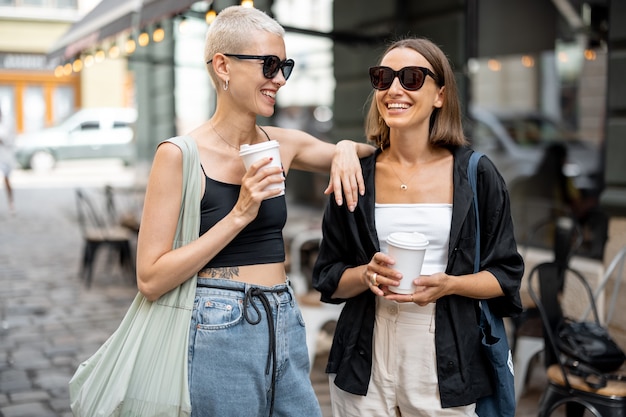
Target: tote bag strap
188	228
471	174
502	402
472	168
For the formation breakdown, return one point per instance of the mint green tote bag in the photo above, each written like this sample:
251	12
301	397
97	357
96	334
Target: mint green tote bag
141	370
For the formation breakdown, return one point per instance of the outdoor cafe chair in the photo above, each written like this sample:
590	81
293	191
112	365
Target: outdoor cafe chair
97	233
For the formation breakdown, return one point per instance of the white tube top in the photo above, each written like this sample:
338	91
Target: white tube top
432	220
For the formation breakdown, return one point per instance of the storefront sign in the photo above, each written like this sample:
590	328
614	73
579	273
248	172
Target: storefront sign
28	62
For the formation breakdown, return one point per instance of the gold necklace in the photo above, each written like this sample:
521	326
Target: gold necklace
223	140
403	184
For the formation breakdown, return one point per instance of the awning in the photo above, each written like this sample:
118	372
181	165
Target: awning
110	18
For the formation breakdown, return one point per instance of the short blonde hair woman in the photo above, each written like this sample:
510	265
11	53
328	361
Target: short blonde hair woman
247	345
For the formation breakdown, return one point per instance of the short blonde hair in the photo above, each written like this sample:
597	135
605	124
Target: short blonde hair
233	29
445	123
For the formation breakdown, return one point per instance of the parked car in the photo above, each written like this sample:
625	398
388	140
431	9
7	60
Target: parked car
515	142
87	134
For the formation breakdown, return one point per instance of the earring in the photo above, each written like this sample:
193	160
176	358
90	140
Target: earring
226	85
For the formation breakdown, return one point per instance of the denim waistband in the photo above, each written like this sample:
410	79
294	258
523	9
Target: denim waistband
228	284
252	292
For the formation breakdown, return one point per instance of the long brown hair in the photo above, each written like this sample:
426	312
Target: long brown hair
445	122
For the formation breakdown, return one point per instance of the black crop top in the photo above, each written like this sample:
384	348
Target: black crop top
260	242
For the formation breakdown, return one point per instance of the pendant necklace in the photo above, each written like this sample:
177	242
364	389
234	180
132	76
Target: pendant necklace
223	140
403	184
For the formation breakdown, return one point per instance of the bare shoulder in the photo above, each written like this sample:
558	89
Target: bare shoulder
166	174
169	151
167	162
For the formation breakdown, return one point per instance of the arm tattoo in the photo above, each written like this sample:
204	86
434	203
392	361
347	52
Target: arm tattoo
228	272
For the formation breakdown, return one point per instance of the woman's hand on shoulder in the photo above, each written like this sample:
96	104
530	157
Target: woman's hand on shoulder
303	151
346	176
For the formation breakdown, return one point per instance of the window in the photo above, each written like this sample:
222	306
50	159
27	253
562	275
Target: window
89	125
62	103
34	108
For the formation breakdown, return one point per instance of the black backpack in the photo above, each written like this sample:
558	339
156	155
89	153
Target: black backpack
590	344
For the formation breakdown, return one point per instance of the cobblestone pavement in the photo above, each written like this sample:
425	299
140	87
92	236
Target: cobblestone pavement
50	322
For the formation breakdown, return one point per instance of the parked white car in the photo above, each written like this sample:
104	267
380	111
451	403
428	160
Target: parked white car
87	134
515	142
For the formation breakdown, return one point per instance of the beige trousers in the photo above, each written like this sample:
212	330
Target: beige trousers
404	374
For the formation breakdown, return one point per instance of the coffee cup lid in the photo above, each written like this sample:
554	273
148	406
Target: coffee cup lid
407	240
257	147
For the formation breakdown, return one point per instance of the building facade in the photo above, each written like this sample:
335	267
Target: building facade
525	54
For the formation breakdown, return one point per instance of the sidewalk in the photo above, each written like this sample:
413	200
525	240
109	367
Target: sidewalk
50	322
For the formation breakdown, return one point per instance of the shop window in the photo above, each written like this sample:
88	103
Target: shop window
62	103
34	109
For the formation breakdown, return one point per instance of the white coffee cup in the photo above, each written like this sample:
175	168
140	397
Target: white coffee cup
252	153
408	250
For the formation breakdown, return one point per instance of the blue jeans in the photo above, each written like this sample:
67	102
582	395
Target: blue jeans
244	361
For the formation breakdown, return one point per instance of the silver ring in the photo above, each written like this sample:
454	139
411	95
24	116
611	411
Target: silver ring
412	300
373	279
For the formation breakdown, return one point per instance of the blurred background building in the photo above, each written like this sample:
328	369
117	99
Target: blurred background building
560	59
27	80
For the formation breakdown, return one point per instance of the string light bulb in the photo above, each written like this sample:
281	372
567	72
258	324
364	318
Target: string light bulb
210	16
590	55
182	25
528	61
130	45
247	3
89	60
143	39
159	34
58	71
67	69
77	65
494	65
114	51
100	55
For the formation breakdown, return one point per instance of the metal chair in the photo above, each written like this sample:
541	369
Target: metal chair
565	386
98	233
127	214
615	270
528	340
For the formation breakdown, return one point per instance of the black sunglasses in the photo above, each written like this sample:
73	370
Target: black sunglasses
411	78
271	64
